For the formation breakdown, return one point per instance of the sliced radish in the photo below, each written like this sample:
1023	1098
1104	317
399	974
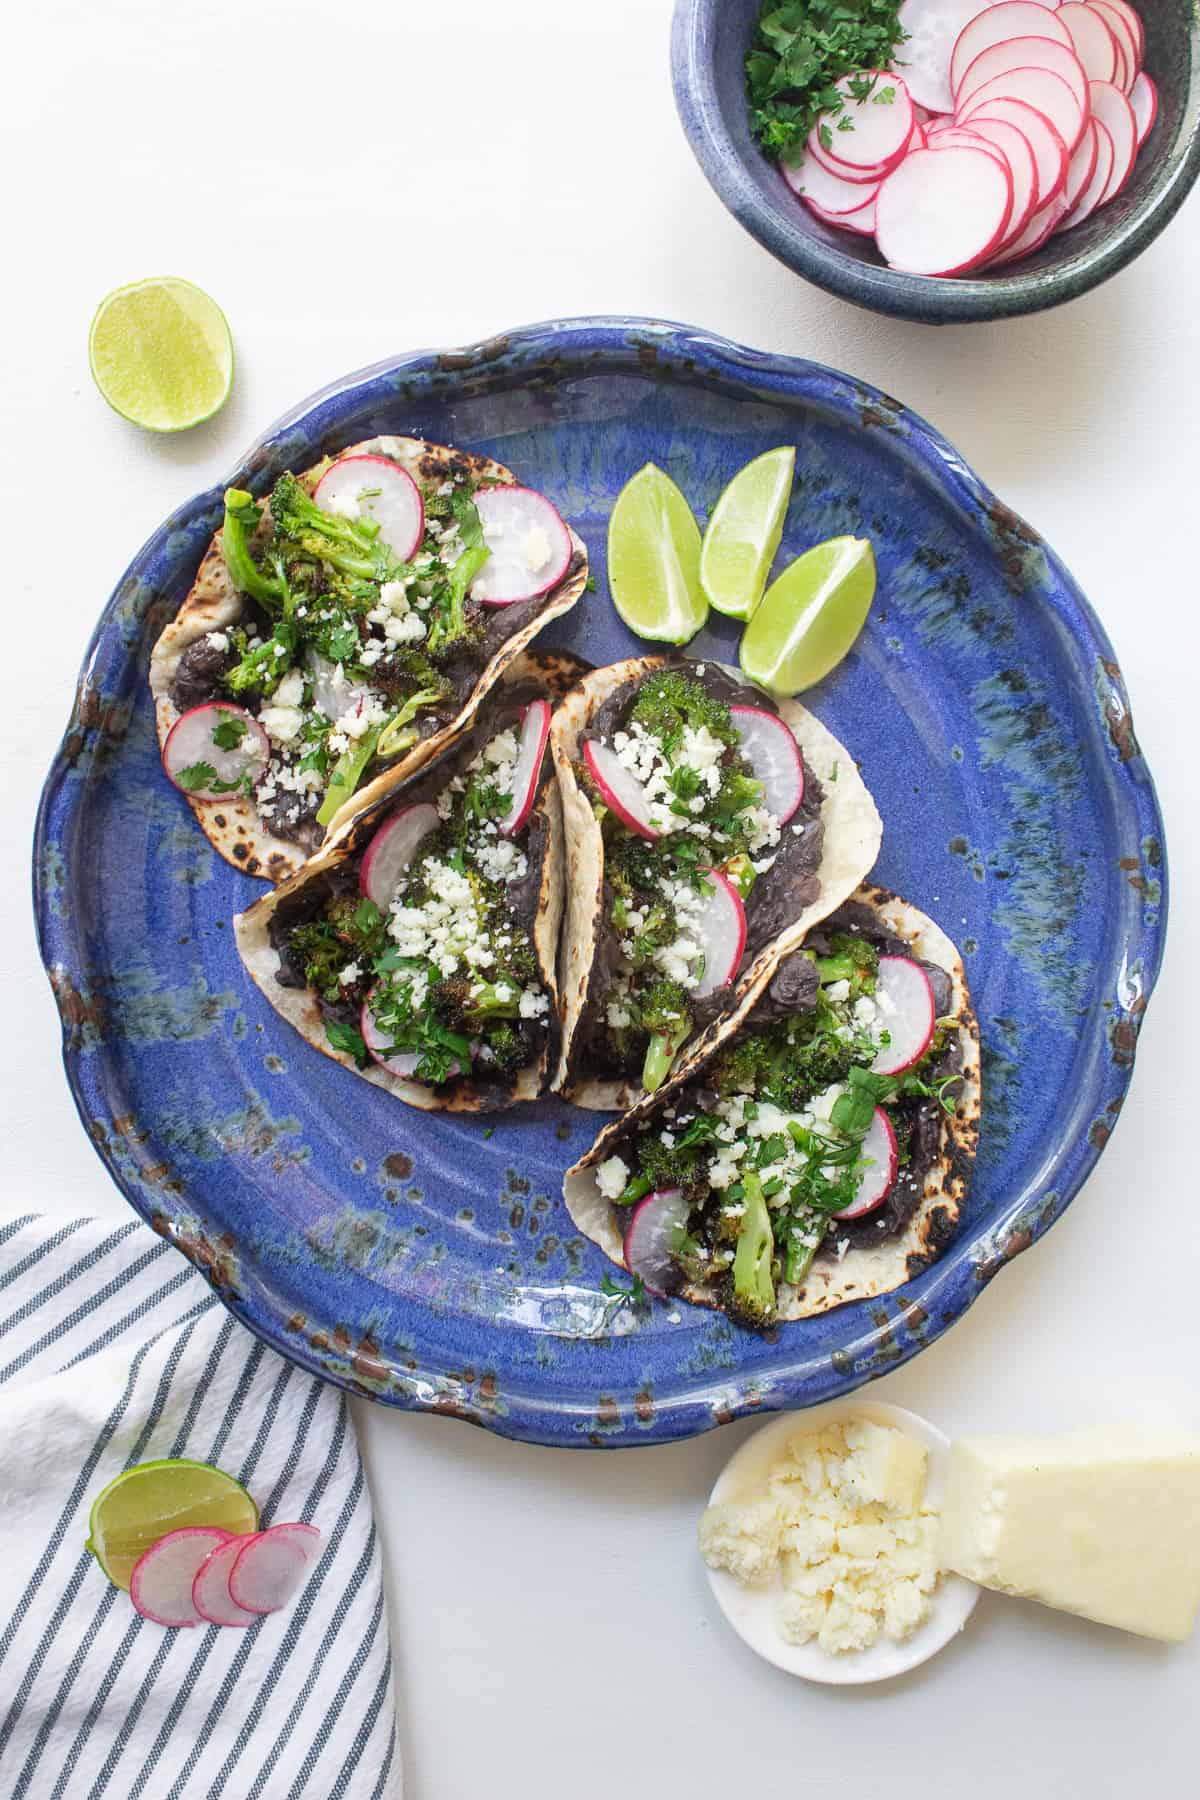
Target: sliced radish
656	1228
943	211
392	849
774	757
1043	223
535	729
161	1584
1041	89
1049	151
268	1570
1023	53
812	181
529	546
878	128
210	1589
1130	57
308	1537
861	221
1016	148
1082	167
374	487
191	747
334	693
882	1159
1111	108
404	1063
1143	97
906	1011
863	178
923	57
1131	18
620	791
1092	38
1093	193
720	930
999	25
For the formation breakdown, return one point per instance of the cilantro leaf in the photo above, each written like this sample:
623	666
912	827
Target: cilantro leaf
348	1039
198	775
229	731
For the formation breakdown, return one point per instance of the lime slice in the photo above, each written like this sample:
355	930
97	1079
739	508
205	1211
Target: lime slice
810	616
654	559
161	354
146	1502
741	538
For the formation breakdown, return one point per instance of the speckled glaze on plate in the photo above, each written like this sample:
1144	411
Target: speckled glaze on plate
708	53
410	1256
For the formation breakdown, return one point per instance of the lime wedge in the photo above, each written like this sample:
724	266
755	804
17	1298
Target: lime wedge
810	616
742	536
146	1502
161	354
654	559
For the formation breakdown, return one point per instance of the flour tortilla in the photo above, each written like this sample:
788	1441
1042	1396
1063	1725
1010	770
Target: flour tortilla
853	830
233	826
862	1273
553	672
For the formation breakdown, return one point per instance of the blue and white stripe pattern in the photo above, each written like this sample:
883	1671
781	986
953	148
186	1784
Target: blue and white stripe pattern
114	1351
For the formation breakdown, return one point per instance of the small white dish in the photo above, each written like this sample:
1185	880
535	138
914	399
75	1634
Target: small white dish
751	1610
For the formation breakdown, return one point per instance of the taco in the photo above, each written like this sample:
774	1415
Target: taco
708	828
418	945
339	636
819	1150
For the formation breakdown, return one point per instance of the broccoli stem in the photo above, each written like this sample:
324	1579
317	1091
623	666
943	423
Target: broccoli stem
803	1241
635	1190
348	772
241	520
447	627
836	968
663	1048
752	1281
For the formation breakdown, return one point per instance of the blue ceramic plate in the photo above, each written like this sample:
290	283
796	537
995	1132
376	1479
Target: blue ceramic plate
428	1262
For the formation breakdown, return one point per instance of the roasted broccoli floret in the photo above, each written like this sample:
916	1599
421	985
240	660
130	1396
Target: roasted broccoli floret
242	518
451	626
465	1010
351	546
850	958
508	1050
670	699
662	1011
751	1289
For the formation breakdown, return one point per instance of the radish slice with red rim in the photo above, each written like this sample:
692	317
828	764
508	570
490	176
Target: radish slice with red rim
374	487
943	212
268	1571
1016	149
1049	150
1082	166
720	930
999	25
1041	89
1143	97
923	58
1111	108
1092	39
1093	193
404	1063
880	1154
1024	53
161	1584
1044	222
656	1228
210	1589
392	849
862	221
202	766
906	1011
308	1537
535	729
774	755
863	178
529	547
871	130
620	791
1126	38
812	181
1131	18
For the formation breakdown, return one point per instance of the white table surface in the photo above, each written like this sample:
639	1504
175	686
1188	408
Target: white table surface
473	167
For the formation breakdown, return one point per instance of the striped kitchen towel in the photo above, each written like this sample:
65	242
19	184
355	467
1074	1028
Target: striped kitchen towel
113	1350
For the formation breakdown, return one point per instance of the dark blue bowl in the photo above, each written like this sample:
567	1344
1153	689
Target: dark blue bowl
427	1259
708	53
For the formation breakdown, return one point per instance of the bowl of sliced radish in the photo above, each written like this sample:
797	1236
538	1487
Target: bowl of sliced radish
1007	156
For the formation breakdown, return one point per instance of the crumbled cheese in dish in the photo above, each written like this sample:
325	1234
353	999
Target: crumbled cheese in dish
499	859
409	628
612	1177
533	1004
445	930
841	1526
536	549
218	640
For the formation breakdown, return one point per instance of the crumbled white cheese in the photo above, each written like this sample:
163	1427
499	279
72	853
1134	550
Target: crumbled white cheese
349	974
408	628
612	1177
536	549
218	640
533	1004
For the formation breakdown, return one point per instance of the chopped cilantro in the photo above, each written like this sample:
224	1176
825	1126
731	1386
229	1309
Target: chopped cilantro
347	1039
229	731
800	49
202	775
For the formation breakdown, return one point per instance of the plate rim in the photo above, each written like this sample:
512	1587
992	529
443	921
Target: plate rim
650	346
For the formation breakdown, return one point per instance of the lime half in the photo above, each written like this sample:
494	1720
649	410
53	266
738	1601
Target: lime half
146	1502
161	354
741	538
810	616
654	559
